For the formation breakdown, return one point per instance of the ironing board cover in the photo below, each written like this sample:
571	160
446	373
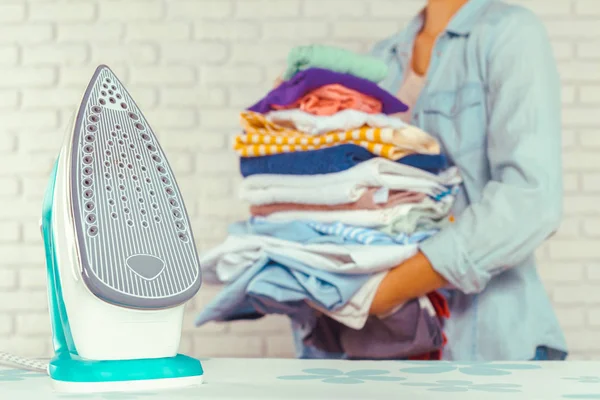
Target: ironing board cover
276	379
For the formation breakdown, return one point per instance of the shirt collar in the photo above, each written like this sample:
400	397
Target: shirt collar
460	25
465	19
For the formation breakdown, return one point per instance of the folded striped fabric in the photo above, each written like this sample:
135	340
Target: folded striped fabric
263	138
369	236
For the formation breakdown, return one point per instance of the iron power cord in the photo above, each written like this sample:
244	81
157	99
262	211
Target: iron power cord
24	363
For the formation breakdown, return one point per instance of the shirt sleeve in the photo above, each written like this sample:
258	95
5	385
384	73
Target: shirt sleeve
521	206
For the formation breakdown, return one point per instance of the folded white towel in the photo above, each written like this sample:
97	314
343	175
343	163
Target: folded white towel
345	186
344	120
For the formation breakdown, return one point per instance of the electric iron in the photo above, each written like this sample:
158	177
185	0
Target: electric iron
120	253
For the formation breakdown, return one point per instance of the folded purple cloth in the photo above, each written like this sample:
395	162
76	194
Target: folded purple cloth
408	332
313	78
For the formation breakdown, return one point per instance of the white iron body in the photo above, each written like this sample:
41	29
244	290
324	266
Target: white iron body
103	331
119	291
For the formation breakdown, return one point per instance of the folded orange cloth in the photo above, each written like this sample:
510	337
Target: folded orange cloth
329	99
263	137
365	202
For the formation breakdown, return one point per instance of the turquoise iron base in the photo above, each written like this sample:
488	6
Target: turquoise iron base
72	368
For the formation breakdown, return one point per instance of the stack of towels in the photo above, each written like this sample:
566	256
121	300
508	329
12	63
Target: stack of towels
340	191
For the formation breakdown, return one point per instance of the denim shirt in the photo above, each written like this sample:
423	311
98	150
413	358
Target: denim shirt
492	98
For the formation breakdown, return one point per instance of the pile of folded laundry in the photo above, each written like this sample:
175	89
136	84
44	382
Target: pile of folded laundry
340	190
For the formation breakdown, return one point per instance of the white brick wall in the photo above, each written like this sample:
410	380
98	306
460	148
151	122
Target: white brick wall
191	65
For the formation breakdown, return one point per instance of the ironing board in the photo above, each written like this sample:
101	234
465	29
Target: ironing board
260	379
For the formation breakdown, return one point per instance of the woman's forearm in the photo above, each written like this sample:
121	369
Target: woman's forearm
413	278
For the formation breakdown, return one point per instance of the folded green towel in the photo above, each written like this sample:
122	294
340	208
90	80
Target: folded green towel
335	59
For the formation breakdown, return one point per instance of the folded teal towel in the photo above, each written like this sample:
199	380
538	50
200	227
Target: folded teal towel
335	59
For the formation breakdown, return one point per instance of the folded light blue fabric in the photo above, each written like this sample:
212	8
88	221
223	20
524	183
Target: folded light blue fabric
369	236
280	285
318	232
294	231
284	280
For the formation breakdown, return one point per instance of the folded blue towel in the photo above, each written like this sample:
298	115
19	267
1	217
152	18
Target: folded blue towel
329	160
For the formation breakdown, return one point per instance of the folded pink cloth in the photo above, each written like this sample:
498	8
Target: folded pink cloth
365	202
330	99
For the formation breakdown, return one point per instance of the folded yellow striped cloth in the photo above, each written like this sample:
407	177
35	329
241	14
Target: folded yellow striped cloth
264	137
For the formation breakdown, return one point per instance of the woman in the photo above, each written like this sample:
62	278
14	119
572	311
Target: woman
480	76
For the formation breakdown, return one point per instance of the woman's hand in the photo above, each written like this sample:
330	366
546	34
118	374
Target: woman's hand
413	278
